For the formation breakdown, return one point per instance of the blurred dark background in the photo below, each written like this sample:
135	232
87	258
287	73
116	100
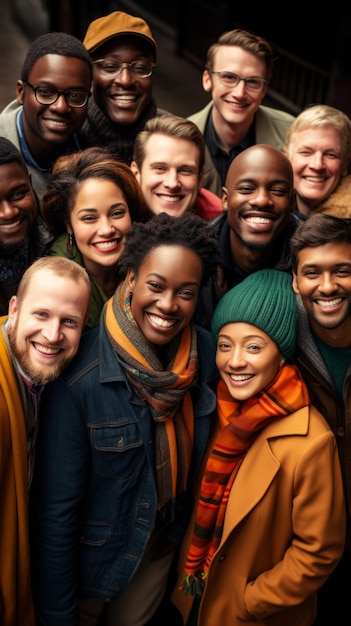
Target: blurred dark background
312	45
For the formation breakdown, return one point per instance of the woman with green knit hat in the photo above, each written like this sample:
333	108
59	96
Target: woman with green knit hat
269	524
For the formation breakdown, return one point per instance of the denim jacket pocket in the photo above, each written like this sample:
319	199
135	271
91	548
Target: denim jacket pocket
116	448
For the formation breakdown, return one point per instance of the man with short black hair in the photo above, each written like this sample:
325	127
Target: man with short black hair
23	234
321	257
51	105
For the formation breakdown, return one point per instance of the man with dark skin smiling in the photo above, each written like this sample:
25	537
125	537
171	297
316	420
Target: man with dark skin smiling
52	96
123	51
23	235
257	222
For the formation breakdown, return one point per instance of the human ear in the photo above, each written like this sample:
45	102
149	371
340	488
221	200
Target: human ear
224	198
206	81
19	91
135	169
295	284
12	311
131	280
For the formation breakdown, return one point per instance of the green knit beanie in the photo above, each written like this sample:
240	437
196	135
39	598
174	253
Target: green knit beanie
265	299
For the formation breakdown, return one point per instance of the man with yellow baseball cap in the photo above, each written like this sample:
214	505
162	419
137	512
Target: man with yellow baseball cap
123	51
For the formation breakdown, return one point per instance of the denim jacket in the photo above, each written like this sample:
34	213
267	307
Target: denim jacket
93	500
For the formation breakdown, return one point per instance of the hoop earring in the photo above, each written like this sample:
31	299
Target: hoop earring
70	246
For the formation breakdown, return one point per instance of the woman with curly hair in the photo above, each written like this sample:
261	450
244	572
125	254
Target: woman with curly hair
123	434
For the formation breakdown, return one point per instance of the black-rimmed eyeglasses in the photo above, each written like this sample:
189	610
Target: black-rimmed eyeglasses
112	68
75	98
252	83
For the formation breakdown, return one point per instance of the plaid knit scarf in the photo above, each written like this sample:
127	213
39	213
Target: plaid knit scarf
167	392
239	423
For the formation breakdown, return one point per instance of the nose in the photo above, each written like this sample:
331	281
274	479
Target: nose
125	76
240	88
317	161
167	302
261	197
7	210
61	103
327	283
172	178
106	226
52	330
237	358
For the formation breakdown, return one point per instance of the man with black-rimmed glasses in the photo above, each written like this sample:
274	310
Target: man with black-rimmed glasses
51	103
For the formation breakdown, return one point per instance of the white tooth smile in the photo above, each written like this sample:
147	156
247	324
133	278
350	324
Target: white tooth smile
258	220
106	245
57	123
46	349
159	321
125	98
170	198
10	225
329	303
241	377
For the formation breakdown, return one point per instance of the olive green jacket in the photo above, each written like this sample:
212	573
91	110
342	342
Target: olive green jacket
270	127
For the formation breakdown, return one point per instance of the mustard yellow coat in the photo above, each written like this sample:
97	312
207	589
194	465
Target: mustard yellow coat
284	529
16	605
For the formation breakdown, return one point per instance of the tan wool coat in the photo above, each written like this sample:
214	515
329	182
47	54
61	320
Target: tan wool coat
284	529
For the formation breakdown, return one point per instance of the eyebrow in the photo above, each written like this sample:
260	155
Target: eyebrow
160	277
185	164
306	266
280	181
96	210
246	337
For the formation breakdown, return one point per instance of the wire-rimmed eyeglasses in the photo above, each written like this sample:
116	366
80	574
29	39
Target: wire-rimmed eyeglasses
75	98
252	83
138	69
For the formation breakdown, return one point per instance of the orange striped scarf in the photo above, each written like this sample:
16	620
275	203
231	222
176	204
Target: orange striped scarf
239	424
167	392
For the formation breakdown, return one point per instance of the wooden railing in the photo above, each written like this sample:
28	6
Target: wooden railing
296	84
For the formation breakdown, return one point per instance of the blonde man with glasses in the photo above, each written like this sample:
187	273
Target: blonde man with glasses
238	69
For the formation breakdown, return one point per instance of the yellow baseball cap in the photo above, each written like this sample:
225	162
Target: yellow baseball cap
114	25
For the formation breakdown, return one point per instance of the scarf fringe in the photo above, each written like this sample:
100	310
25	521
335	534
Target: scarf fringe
193	584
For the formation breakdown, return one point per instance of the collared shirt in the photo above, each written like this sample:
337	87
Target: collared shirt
220	157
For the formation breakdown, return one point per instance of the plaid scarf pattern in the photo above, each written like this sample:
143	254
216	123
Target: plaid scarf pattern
239	424
166	391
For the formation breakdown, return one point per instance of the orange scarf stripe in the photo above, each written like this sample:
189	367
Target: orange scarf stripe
123	340
239	422
167	392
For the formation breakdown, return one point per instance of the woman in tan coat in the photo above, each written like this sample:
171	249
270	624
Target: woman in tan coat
270	517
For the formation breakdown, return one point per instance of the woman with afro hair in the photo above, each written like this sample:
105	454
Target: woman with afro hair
123	435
